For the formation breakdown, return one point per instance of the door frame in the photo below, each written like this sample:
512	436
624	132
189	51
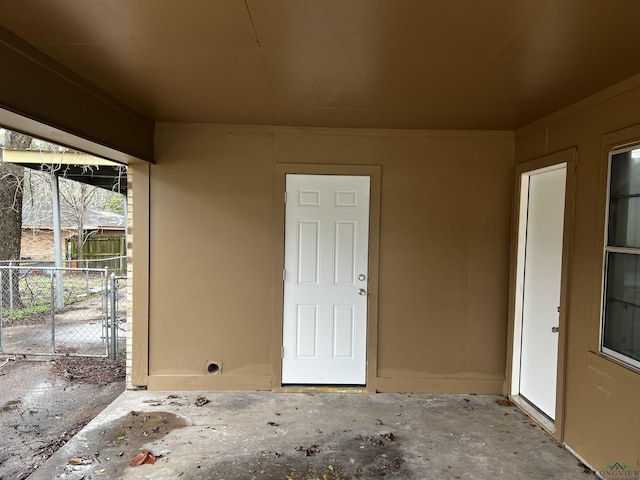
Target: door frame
516	284
277	255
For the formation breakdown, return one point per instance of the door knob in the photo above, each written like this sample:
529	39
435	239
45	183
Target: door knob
555	329
362	291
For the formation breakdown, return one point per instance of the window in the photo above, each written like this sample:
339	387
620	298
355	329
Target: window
620	333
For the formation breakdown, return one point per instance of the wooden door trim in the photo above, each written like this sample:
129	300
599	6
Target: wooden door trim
568	156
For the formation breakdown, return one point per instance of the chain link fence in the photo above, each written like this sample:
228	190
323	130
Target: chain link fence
116	314
46	310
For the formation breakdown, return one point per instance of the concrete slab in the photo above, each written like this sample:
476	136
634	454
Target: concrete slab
40	409
324	436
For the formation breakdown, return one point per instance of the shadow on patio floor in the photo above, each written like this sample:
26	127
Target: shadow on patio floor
285	436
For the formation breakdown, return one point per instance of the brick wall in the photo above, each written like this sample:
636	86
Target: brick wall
38	244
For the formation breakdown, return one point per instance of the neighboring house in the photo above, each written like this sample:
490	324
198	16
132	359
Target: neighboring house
433	218
37	228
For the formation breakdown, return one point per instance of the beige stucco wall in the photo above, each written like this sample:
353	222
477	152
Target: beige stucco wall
602	409
445	208
445	220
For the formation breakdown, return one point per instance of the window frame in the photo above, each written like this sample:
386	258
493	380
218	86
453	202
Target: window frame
607	250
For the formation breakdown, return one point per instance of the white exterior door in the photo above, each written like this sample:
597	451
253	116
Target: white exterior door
325	279
541	292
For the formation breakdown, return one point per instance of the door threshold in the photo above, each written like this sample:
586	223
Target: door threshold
534	413
323	389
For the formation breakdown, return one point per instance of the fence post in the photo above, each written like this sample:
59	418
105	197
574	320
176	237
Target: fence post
57	238
86	277
1	306
10	288
105	310
114	325
53	312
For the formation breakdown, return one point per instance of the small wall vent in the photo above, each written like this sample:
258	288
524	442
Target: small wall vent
214	368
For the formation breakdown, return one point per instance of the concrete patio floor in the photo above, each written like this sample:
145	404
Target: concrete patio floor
324	436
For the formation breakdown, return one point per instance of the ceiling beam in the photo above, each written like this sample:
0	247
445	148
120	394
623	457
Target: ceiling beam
75	166
41	97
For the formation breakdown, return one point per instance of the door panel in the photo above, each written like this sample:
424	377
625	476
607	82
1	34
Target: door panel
325	282
308	253
541	297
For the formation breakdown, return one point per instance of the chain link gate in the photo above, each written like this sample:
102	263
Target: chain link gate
46	310
116	315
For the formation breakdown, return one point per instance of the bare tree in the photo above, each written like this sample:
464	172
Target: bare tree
10	210
78	196
11	177
75	198
18	185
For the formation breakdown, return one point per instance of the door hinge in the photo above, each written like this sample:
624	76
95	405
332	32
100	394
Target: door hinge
285	197
281	352
284	274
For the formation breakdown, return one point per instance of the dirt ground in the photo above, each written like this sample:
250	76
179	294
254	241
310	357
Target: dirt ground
44	402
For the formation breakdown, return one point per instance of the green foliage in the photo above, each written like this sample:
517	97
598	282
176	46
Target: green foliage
115	204
23	313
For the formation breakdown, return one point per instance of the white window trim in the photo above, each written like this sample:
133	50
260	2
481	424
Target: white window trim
611	249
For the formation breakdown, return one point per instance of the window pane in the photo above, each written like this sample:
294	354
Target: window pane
622	305
624	200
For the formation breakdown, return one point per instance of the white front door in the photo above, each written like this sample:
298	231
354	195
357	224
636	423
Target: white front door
541	288
325	279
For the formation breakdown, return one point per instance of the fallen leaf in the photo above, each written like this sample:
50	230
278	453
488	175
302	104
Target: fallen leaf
79	461
388	436
120	437
101	471
308	451
142	458
200	401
